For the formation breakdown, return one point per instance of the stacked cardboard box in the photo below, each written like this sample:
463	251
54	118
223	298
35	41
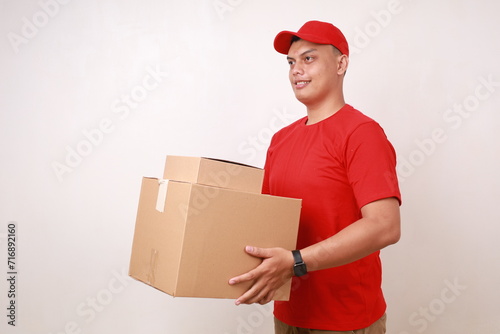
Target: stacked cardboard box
193	225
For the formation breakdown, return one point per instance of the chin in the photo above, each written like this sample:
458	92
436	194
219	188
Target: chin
302	98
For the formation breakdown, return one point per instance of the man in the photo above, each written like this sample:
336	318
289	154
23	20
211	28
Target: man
340	163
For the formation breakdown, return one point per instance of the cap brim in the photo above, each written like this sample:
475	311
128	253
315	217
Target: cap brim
283	40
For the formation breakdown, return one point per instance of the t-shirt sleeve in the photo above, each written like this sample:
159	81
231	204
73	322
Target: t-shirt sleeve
371	164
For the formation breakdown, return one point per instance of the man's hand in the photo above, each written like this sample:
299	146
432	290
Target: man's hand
274	271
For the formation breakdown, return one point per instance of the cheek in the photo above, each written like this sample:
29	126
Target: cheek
326	75
291	79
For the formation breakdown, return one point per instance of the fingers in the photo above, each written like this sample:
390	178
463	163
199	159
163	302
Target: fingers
259	252
249	276
243	278
267	298
258	293
267	277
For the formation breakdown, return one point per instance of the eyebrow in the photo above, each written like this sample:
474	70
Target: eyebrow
302	54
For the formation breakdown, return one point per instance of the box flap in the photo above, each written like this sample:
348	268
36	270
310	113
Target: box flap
158	236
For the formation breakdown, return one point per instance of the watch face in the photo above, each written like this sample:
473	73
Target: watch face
300	269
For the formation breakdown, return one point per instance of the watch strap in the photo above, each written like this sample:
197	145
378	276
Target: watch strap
299	267
297	257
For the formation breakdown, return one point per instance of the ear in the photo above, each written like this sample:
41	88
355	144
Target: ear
343	63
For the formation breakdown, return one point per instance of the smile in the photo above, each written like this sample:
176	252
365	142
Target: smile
301	84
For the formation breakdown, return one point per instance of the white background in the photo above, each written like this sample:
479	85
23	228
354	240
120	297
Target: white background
95	94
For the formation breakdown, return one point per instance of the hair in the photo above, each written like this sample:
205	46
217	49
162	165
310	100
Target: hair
294	39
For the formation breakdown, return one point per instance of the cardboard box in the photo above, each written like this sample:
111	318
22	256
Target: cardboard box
189	238
214	172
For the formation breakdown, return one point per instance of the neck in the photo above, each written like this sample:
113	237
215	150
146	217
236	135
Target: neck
320	111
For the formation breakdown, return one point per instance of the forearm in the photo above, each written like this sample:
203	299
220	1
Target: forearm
379	228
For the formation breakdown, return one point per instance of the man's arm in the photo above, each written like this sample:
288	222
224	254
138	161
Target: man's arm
378	228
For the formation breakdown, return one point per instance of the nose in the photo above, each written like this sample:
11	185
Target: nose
297	69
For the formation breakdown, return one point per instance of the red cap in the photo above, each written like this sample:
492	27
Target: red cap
315	32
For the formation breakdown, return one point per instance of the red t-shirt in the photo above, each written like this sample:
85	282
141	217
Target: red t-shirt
335	166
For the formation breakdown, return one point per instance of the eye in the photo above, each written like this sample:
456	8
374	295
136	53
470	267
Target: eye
308	59
291	62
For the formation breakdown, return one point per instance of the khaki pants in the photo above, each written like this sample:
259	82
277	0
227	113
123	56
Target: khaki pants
378	327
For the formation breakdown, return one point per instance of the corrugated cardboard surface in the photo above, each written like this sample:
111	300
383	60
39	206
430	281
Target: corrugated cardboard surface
195	246
157	244
214	172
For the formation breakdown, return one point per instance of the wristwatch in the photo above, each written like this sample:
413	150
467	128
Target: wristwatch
299	267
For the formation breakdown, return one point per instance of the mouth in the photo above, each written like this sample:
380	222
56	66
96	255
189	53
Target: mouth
301	84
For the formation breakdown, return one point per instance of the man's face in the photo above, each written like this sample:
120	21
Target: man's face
313	71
